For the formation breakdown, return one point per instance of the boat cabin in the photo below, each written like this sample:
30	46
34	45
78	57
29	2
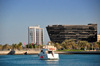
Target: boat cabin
46	51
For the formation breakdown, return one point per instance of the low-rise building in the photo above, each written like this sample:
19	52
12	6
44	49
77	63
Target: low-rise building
98	38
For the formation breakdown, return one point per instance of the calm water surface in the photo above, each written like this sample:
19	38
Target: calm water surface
65	60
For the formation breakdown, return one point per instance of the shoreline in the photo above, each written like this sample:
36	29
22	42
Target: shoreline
78	52
37	52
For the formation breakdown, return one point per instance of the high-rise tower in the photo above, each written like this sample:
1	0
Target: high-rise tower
35	35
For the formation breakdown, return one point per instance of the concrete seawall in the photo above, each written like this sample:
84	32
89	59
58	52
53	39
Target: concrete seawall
22	52
18	52
78	52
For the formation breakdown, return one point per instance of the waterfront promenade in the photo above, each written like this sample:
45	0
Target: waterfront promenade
31	51
20	52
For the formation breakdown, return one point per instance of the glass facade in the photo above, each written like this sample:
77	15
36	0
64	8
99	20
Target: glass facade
58	33
35	35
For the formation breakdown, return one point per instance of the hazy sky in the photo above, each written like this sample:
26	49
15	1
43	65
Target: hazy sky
17	15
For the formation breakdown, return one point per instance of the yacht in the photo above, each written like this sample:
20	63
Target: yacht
47	54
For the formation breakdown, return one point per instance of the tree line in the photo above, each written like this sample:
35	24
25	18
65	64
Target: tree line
19	46
13	46
79	45
67	44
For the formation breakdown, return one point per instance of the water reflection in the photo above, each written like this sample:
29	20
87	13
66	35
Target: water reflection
34	60
55	62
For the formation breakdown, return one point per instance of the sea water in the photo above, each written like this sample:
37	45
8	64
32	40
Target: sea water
64	60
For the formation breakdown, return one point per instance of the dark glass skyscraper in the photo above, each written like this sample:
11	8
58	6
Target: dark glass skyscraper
58	33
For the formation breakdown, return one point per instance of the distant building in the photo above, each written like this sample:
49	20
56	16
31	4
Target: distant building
36	35
98	37
58	33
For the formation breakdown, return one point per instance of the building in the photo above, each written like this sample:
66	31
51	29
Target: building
35	35
98	38
58	33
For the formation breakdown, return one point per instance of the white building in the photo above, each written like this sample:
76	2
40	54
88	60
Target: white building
98	38
35	35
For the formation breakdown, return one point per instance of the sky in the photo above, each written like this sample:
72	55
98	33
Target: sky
17	15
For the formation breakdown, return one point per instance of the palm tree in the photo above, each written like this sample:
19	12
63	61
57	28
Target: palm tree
19	46
14	46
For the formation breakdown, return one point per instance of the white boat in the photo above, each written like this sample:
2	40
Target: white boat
46	54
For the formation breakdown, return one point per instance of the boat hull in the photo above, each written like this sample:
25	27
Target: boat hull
49	57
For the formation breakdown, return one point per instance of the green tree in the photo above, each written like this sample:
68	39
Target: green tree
19	46
57	45
98	45
69	44
83	44
30	45
95	45
14	46
1	47
33	45
6	47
